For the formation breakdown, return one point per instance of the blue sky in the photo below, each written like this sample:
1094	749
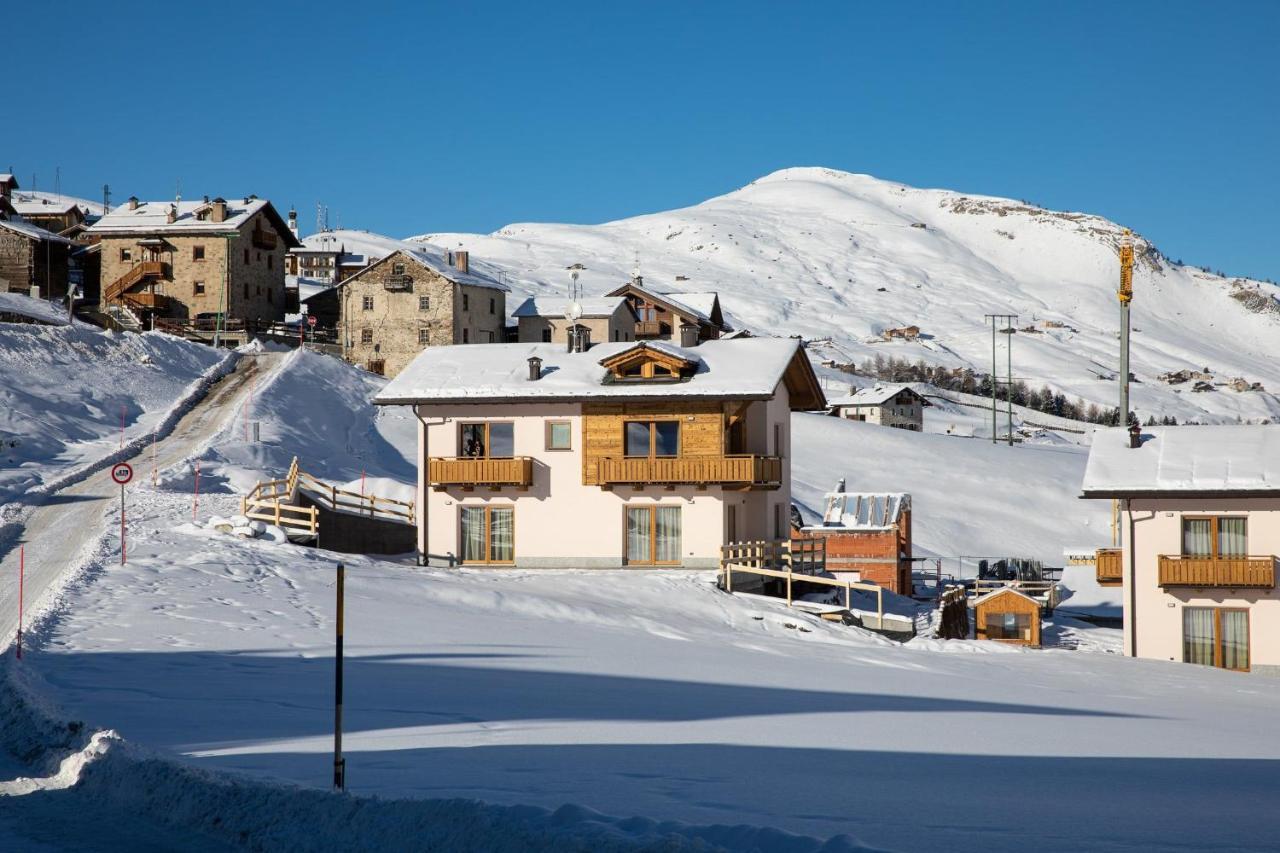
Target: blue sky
1163	116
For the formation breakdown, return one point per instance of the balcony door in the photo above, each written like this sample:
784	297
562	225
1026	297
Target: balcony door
487	440
652	439
1216	636
487	535
1221	537
653	536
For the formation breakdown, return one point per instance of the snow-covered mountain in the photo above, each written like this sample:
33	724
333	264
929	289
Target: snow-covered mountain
832	255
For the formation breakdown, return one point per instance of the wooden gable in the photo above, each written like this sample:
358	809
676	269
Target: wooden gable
644	362
803	387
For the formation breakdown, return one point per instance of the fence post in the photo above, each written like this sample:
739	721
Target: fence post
848	596
880	605
788	584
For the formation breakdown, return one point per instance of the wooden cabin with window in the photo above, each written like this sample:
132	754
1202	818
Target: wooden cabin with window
686	319
1007	616
1200	531
620	454
411	299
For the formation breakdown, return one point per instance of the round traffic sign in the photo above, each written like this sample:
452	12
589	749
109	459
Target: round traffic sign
122	472
311	319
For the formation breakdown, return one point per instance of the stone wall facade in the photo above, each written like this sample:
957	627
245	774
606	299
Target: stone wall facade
26	262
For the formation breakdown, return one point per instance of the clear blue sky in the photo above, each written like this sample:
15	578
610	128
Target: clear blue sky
1164	116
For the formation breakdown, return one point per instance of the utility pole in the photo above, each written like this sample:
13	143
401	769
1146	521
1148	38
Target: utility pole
1126	296
995	320
339	763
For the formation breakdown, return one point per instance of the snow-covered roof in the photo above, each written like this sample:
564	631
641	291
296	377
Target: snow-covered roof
35	232
863	510
7	178
746	369
152	217
1004	590
876	395
555	306
1233	459
42	206
701	304
36	309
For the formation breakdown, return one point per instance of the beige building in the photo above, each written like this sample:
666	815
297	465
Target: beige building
683	318
195	260
625	454
1200	531
412	299
887	405
604	318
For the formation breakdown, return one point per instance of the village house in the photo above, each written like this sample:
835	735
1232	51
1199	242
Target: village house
409	300
33	261
194	260
887	405
623	454
61	216
868	537
1200	531
545	319
682	318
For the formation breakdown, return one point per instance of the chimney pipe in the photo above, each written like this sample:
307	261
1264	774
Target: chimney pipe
219	213
688	335
1135	435
172	215
535	368
133	202
462	261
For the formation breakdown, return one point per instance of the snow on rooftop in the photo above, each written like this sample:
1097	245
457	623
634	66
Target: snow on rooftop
750	368
702	303
1235	458
375	247
35	232
863	510
873	396
42	206
555	306
153	217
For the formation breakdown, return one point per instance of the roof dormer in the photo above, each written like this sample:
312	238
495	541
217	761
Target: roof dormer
647	362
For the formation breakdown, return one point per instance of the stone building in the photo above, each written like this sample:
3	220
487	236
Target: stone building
195	260
412	299
545	319
59	215
32	259
682	318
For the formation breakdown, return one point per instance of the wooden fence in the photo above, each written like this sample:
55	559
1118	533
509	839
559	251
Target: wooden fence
272	500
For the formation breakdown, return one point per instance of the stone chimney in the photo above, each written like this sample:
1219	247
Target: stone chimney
171	216
219	212
133	202
688	334
535	368
1135	436
462	260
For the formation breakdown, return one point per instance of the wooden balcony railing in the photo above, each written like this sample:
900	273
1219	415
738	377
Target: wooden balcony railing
135	274
758	471
264	239
469	472
648	329
1110	566
1245	572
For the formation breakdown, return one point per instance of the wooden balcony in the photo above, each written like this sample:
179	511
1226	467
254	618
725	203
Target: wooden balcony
762	472
468	472
264	239
1239	572
1110	566
648	329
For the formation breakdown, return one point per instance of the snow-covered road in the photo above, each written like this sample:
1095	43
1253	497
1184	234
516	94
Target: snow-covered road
62	529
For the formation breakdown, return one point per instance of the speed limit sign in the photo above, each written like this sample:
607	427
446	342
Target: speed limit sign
122	472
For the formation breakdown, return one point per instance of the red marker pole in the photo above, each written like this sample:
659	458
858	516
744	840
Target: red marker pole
122	545
22	572
361	482
122	427
155	471
195	502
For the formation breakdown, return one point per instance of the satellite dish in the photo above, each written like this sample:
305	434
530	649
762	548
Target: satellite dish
573	312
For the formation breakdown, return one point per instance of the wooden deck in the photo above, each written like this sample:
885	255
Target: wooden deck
468	472
748	471
1241	572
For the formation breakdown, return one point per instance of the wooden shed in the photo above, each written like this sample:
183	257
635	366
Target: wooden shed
1008	616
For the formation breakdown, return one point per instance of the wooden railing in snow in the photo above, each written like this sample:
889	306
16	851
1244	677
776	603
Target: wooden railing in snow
273	501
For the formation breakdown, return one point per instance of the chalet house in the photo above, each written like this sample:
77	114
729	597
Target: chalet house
32	259
887	405
1200	531
60	216
868	537
412	299
548	319
682	318
625	454
195	259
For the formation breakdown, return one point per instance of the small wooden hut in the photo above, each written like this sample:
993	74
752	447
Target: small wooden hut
1008	616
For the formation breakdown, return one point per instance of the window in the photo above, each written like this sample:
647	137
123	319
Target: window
559	435
1210	537
246	256
493	305
653	535
487	534
366	336
1008	626
367	303
777	521
466	302
424	336
424	303
731	523
1216	636
487	440
466	336
126	254
270	300
777	439
652	438
486	336
546	335
246	290
198	288
197	253
397	269
270	261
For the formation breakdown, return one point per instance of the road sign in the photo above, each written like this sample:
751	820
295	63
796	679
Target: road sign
311	319
122	472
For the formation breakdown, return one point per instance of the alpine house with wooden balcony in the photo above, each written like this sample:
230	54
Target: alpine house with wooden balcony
622	454
1200	524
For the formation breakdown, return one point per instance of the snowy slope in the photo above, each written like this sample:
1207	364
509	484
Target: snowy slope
822	253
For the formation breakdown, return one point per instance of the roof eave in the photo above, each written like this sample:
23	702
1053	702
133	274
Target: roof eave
1122	494
562	398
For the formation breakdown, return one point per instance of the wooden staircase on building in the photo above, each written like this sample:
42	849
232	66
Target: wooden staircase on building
136	275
